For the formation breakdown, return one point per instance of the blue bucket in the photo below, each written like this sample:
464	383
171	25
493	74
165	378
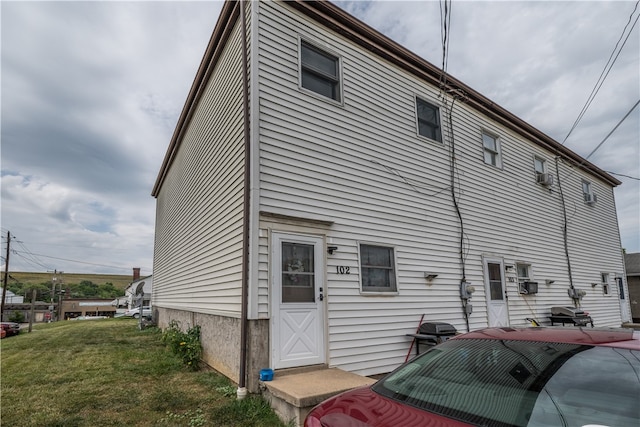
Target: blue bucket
266	374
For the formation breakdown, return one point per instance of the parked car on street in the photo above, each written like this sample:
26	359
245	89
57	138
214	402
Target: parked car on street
10	328
503	377
135	312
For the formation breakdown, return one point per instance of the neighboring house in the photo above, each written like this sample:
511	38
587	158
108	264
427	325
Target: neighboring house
72	308
632	266
130	291
11	298
367	198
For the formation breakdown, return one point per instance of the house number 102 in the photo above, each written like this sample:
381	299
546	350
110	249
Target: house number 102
341	269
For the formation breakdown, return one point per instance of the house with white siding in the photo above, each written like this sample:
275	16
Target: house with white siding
325	188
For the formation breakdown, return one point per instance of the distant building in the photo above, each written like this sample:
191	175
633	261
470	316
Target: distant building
146	284
632	265
86	307
11	298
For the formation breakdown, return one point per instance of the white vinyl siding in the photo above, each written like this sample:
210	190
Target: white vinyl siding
361	166
197	260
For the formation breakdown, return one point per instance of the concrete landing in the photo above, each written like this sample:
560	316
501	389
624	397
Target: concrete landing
293	395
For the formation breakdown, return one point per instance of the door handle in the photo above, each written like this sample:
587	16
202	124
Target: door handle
321	297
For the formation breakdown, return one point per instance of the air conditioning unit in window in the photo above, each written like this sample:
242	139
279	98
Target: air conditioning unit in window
545	179
590	199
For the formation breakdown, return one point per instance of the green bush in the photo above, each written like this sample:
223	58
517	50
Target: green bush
17	317
185	344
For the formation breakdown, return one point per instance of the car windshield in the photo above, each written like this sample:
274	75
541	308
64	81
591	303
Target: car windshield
521	383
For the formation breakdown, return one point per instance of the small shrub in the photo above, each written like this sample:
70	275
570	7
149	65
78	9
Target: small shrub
185	344
17	317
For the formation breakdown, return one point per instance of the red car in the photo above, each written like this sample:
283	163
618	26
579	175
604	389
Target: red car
503	377
10	328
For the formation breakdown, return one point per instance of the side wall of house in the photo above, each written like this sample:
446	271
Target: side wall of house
359	165
197	256
199	214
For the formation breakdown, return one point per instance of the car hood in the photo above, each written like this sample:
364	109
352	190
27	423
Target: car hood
363	407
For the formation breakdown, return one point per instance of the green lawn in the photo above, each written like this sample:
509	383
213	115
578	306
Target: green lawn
110	373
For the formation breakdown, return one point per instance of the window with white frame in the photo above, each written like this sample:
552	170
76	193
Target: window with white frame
377	269
540	165
604	280
428	120
542	176
524	273
319	71
491	147
587	193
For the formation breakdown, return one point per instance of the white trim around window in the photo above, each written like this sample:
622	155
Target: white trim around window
428	119
491	149
319	71
378	269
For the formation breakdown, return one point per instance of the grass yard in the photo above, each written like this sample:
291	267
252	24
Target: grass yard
110	373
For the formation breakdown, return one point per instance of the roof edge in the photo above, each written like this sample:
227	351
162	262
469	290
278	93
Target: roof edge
350	27
228	15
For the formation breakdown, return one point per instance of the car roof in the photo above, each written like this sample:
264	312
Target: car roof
609	337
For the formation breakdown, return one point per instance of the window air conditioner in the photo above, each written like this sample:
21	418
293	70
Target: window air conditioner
545	179
590	199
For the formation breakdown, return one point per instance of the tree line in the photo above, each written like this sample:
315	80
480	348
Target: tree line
84	289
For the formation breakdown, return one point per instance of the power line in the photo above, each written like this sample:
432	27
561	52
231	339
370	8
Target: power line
612	130
621	174
605	72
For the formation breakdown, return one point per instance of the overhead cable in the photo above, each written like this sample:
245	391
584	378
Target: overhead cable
605	72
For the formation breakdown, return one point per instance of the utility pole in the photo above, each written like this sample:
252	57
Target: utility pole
33	306
54	279
6	276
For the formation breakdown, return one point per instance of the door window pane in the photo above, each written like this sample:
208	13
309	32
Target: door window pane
298	273
495	281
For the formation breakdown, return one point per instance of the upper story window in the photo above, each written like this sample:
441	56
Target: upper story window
491	146
428	120
542	176
587	193
320	71
377	267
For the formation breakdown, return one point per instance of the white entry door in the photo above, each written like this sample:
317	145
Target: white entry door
298	336
497	310
624	307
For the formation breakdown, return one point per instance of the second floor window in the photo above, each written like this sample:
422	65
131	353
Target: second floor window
320	71
491	146
587	193
428	120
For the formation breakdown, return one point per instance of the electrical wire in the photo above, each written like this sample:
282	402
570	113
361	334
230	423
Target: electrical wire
623	175
605	72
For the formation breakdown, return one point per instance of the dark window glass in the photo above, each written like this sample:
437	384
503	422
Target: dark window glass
320	71
495	281
428	120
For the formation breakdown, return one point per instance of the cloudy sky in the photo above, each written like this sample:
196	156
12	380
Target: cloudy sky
91	92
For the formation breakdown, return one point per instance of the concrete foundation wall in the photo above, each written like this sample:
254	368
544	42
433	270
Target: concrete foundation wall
220	337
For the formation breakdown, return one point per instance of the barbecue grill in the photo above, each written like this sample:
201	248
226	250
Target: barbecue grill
571	315
432	333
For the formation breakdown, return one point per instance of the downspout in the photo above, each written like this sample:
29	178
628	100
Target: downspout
242	389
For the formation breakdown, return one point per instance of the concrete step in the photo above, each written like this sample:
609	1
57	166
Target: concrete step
293	395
